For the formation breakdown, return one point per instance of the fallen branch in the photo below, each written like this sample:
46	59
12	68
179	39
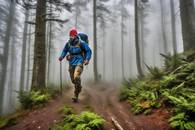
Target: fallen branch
116	124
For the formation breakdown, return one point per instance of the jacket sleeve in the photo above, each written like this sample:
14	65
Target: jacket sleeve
65	51
87	50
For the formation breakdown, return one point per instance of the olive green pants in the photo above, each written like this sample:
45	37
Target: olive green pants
75	75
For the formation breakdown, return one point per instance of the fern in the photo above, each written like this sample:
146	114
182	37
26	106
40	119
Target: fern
96	123
155	72
86	121
66	110
168	81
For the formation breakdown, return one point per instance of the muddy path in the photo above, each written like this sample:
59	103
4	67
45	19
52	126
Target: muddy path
101	98
104	99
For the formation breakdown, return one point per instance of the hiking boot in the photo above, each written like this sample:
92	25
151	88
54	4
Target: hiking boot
75	98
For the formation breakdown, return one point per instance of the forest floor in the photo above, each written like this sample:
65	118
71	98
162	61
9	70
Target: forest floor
100	98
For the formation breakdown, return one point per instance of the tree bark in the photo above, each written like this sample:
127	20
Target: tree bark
49	48
29	58
122	42
95	42
12	71
22	73
139	68
104	52
187	14
6	51
173	26
163	27
39	66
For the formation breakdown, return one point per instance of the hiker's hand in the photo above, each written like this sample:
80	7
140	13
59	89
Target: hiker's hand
86	62
60	58
68	57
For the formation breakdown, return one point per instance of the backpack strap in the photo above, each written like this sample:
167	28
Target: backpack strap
79	46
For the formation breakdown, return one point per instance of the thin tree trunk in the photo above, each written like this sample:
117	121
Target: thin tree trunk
95	42
188	24
39	66
122	43
113	70
22	73
163	27
12	71
49	48
29	58
6	51
104	53
76	17
140	72
173	26
141	35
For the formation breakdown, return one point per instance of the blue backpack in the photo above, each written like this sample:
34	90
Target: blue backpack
83	37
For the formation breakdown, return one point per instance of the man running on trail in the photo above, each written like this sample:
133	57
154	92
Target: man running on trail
79	55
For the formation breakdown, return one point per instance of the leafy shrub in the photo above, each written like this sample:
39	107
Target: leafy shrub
33	99
11	119
175	89
86	121
181	121
155	73
67	110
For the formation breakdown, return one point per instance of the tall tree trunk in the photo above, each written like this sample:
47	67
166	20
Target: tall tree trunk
39	66
113	67
163	27
95	42
122	42
188	24
12	71
173	26
141	34
104	52
76	17
139	68
29	58
6	51
22	73
49	48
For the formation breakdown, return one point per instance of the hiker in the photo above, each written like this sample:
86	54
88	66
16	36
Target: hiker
78	53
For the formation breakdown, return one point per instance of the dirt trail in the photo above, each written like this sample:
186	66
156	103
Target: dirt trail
102	98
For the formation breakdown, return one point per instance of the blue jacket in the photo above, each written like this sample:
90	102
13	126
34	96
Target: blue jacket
76	51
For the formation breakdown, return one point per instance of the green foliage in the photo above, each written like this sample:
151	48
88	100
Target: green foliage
181	121
172	62
144	106
7	122
52	91
33	99
3	122
10	119
125	93
173	87
155	73
67	110
168	81
86	121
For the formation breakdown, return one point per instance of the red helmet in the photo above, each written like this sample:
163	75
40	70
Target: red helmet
73	32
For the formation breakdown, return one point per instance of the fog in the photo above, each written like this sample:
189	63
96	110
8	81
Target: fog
109	47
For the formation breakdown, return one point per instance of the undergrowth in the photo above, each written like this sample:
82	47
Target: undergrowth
85	121
172	86
33	99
